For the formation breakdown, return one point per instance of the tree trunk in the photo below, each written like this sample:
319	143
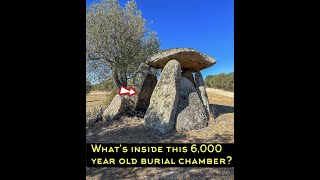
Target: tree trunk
115	77
123	79
119	78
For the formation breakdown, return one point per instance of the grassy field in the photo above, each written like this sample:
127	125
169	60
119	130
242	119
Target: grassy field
132	130
96	99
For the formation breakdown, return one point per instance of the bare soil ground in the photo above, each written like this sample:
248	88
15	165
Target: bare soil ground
132	130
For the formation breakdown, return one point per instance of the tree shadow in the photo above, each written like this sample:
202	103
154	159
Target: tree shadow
124	131
138	133
198	173
217	138
129	134
161	173
218	109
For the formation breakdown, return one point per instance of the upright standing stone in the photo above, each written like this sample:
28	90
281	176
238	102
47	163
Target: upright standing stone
138	81
191	112
145	93
202	93
187	73
116	108
161	112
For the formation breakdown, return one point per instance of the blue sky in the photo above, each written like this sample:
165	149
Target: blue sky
205	25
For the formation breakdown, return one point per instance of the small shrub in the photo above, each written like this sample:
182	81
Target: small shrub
94	115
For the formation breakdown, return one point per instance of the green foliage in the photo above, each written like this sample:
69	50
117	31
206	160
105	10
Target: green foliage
117	41
221	81
106	85
130	82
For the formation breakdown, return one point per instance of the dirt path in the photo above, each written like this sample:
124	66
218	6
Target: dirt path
220	92
132	130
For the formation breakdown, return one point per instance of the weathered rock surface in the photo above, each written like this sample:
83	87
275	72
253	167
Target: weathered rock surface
162	109
188	58
191	113
202	93
117	106
138	82
144	95
188	74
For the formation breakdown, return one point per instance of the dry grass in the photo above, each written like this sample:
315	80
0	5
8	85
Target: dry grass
132	130
220	92
96	99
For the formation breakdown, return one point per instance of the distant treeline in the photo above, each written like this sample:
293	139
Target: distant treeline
106	85
221	81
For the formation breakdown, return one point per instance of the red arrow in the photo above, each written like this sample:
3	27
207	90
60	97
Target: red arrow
127	91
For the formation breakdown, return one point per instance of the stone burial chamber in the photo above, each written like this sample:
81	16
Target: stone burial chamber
177	101
144	82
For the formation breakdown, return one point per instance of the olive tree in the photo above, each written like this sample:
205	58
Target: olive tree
117	40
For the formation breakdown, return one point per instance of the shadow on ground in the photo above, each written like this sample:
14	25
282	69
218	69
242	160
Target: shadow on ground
160	173
132	130
218	109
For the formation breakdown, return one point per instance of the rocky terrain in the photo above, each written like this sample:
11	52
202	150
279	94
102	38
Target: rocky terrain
176	108
131	130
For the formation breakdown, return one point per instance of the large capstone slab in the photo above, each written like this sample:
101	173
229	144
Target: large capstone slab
161	113
191	113
188	58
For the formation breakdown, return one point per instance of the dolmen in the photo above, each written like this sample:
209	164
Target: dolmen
178	100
